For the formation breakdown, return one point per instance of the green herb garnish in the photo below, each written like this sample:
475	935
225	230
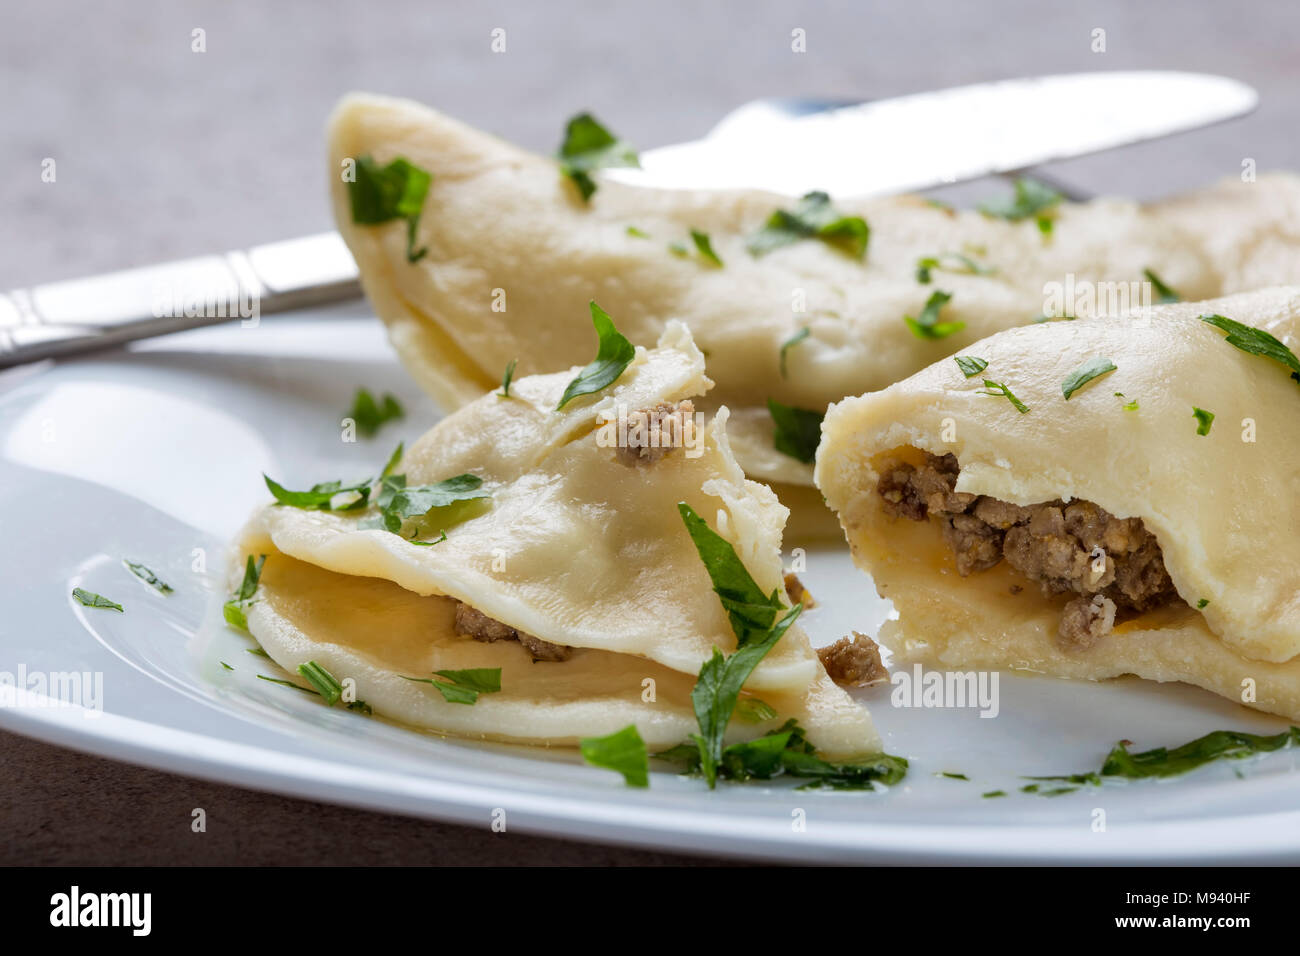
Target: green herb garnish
225	665
1255	341
233	610
790	343
613	355
623	751
957	262
289	683
1202	604
397	503
754	711
91	599
148	577
997	388
589	146
970	365
813	218
371	415
953	776
321	497
381	194
993	793
463	687
1085	373
636	233
1204	420
1030	199
1163	292
798	430
1162	762
507	378
393	460
927	325
704	246
1128	406
326	684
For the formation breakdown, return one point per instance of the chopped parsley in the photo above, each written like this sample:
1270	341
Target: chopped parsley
91	599
1085	373
1031	199
636	233
704	246
1204	420
371	415
927	325
326	684
321	497
997	388
614	354
993	793
148	577
233	610
1128	406
1255	341
754	711
1162	762
1164	294
1202	604
381	194
225	665
970	365
798	430
957	262
953	776
507	378
288	683
589	146
623	751
398	504
790	343
463	687
812	218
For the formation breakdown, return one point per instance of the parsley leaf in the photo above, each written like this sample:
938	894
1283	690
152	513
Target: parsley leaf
1255	341
393	460
1204	420
798	430
964	265
813	218
321	497
754	711
589	146
381	194
1162	762
233	610
613	355
507	378
463	687
397	503
1085	373
1164	294
623	751
928	326
91	599
1030	199
371	415
148	577
704	246
970	365
790	343
997	388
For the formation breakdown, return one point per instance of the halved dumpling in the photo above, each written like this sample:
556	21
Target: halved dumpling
1121	531
574	573
509	255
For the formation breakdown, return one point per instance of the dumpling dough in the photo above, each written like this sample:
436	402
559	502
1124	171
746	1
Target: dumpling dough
500	218
576	547
1224	507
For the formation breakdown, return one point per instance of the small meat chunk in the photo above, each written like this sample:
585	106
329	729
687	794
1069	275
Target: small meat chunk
976	545
796	592
471	622
914	492
1086	621
853	663
653	432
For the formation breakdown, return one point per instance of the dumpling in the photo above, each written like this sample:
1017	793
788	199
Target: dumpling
507	254
543	541
1146	523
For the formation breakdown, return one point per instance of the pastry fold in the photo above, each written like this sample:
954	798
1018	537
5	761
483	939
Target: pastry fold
575	574
1095	536
514	254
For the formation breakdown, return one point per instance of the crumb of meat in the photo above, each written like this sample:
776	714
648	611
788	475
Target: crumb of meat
654	432
796	592
471	622
853	663
1077	548
1086	621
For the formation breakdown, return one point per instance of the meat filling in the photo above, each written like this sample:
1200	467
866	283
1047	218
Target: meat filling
472	622
1112	564
654	432
853	663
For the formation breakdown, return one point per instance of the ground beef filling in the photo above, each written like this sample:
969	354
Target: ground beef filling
471	622
853	662
654	432
1112	564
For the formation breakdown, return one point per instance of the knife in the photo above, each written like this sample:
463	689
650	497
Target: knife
882	147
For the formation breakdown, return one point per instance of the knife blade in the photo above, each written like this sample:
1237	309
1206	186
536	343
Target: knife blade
930	139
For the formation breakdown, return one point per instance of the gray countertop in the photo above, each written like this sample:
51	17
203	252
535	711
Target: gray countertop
162	152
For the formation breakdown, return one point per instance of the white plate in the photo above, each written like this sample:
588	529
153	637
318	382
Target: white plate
152	454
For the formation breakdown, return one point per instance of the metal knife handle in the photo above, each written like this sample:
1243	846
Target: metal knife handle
62	318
